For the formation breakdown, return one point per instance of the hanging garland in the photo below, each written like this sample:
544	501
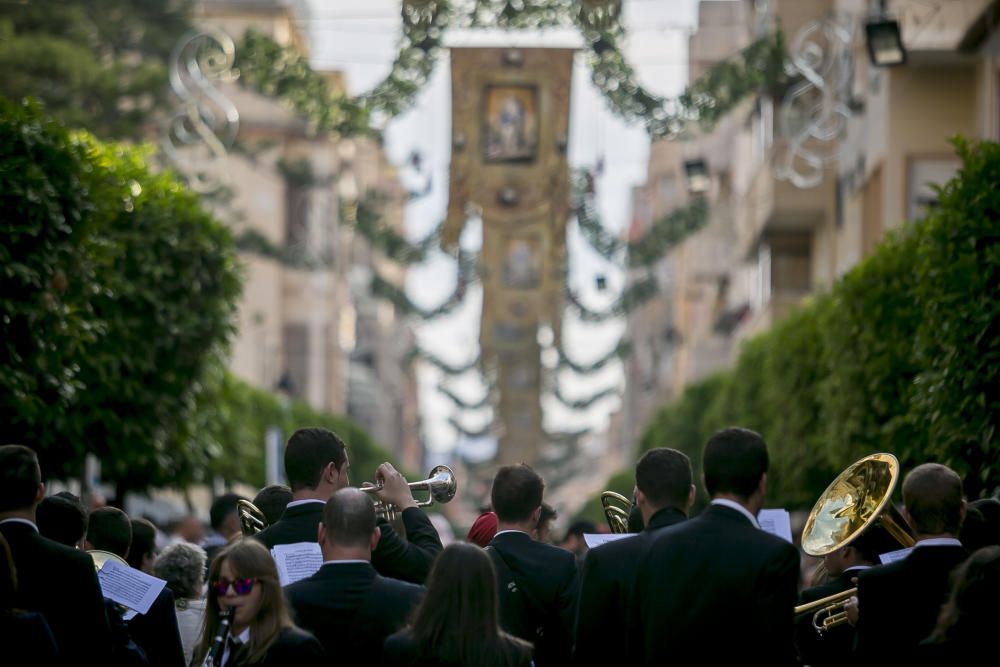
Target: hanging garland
365	216
294	256
620	350
470	433
461	403
634	295
440	364
665	233
586	402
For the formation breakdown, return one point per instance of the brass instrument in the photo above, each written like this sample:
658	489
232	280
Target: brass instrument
252	520
101	557
440	485
616	511
859	499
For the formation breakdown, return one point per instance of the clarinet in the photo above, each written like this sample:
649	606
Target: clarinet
214	655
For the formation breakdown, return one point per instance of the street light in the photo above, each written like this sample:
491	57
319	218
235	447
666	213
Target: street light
697	175
885	44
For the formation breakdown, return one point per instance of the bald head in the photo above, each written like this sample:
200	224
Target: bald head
932	494
349	518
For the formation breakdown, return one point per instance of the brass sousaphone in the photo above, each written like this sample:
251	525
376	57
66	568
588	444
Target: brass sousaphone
859	499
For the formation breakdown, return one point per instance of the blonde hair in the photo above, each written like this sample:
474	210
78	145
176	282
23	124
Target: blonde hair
248	558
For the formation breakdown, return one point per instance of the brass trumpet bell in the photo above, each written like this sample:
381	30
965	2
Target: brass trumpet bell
441	486
616	511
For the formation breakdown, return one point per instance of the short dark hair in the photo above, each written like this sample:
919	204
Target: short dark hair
19	477
308	451
143	542
109	529
932	494
664	476
62	517
981	527
349	518
222	508
734	461
581	527
272	501
517	492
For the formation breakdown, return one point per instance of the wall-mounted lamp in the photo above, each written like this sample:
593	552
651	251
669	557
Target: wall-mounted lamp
885	44
697	176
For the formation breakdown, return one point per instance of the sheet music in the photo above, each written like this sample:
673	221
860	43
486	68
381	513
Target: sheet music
777	522
128	586
297	561
893	556
597	539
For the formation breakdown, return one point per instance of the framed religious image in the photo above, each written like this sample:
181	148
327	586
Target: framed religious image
510	126
522	263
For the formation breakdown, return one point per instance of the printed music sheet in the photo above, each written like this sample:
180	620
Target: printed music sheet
297	561
129	587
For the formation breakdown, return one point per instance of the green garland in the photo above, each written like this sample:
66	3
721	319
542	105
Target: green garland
634	295
481	433
437	362
584	403
461	403
366	218
665	233
620	350
252	241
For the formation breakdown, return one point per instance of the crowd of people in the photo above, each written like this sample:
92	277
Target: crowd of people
713	588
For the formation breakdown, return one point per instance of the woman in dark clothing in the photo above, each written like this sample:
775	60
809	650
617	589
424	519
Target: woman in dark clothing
243	577
456	623
26	633
966	627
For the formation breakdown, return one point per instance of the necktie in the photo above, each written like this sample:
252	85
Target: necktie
234	646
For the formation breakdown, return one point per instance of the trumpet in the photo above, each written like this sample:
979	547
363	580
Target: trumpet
828	612
440	485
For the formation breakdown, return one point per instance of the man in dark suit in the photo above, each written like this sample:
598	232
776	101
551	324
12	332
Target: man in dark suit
834	647
317	465
664	493
898	603
53	579
537	583
156	631
347	605
717	586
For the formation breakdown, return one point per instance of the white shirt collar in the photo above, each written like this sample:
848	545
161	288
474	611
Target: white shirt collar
242	638
296	503
17	520
731	504
857	567
939	542
510	530
340	562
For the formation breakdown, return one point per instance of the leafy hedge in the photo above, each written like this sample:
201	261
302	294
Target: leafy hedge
117	302
902	356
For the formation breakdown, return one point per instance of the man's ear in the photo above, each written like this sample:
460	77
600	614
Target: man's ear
321	533
692	493
640	497
762	486
536	515
40	493
376	536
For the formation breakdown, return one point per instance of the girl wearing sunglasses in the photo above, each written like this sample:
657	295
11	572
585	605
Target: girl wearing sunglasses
243	577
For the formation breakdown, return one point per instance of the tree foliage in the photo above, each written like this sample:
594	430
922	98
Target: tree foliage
901	356
98	64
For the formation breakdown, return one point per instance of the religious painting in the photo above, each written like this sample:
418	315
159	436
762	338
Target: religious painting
511	124
522	266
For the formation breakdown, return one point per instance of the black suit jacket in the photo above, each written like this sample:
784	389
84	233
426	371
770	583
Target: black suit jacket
545	594
898	603
351	609
715	587
157	634
604	592
835	647
409	559
61	583
402	651
292	647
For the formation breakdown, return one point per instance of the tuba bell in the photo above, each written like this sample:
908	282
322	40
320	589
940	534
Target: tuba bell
252	520
858	500
440	485
616	511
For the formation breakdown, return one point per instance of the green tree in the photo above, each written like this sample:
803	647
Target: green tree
98	64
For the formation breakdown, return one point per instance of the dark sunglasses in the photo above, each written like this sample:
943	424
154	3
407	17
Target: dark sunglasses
240	586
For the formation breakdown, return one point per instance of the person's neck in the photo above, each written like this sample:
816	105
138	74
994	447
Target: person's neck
523	526
237	630
336	552
319	493
26	514
648	512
